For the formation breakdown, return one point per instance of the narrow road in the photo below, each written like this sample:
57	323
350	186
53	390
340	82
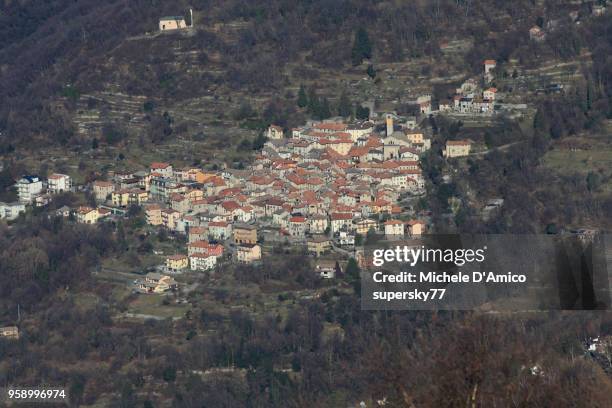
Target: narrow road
498	148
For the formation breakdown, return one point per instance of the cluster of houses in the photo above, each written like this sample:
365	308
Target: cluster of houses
319	186
322	186
34	190
538	33
155	283
471	98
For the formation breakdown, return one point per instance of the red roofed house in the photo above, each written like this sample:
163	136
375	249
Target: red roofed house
197	234
489	65
489	94
58	183
202	262
229	208
416	227
163	169
297	226
394	229
205	248
340	220
330	127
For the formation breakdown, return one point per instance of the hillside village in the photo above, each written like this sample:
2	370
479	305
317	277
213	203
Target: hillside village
325	186
189	192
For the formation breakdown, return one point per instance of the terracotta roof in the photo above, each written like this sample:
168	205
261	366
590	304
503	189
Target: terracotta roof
85	210
230	205
341	216
201	256
331	126
159	165
177	257
458	142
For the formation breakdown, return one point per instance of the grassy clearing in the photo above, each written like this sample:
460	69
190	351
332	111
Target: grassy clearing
152	305
595	155
582	161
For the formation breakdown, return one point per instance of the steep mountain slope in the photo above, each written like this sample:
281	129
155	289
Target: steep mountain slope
70	68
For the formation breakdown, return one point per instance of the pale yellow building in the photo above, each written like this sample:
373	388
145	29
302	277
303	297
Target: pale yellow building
245	234
177	262
415	137
169	218
138	197
248	253
416	227
87	215
275	132
195	194
457	148
363	226
102	189
120	198
172	23
340	146
318	245
153	215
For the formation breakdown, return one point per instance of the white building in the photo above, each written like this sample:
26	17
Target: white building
28	187
59	183
102	190
297	226
220	229
11	211
163	169
489	66
346	238
172	23
201	262
394	229
340	220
